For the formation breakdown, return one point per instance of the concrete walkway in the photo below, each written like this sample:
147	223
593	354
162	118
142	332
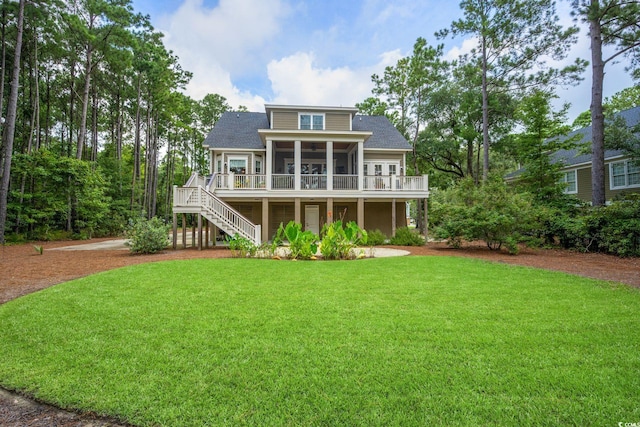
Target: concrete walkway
119	244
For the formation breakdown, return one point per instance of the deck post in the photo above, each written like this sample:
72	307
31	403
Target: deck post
175	231
329	210
206	234
184	231
265	219
199	232
426	221
297	217
361	212
393	217
193	231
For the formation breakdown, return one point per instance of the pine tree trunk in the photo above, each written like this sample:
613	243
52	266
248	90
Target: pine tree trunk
597	115
85	104
485	113
9	130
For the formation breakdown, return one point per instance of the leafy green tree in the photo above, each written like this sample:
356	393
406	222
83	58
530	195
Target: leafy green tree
625	99
612	23
542	135
514	38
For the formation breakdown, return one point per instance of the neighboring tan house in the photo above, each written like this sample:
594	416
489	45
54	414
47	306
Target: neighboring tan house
303	163
622	175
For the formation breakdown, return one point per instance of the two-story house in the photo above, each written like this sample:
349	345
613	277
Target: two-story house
303	163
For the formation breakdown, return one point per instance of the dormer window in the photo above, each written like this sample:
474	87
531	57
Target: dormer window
311	121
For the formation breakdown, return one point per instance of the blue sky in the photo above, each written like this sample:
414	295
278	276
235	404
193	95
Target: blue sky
318	52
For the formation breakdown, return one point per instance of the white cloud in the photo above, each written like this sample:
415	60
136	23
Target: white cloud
466	47
297	80
224	41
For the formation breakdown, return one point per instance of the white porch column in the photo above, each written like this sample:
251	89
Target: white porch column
329	165
268	167
297	154
329	210
360	163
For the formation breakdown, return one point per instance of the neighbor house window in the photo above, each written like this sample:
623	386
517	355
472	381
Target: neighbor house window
624	174
311	122
571	181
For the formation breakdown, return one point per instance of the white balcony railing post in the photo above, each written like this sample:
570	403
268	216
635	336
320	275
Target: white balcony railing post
231	180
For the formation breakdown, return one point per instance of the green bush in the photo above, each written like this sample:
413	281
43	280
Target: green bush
376	238
490	212
241	247
147	236
613	229
406	237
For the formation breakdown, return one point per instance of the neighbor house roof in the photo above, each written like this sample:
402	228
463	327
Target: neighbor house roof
577	156
238	130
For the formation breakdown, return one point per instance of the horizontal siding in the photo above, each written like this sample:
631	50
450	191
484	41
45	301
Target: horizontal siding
392	157
337	122
285	120
584	184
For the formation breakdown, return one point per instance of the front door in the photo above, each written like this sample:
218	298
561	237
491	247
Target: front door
312	218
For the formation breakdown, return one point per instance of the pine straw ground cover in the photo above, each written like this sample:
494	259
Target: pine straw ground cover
396	341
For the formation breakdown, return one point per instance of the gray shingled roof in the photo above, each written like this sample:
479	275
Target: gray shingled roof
237	130
240	131
576	156
385	135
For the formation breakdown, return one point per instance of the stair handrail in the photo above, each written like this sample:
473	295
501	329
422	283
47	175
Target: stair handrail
229	216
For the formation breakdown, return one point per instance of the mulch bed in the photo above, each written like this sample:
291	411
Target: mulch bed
23	270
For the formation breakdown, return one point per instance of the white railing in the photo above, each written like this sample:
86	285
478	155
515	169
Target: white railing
310	182
223	215
196	180
345	182
282	182
229	216
377	183
313	182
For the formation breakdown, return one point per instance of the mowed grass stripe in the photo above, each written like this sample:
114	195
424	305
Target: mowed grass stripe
397	341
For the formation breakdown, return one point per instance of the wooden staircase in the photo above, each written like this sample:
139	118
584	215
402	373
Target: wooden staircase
195	198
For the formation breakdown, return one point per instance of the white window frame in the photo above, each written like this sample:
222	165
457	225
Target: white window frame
245	159
311	117
370	167
565	181
258	165
626	164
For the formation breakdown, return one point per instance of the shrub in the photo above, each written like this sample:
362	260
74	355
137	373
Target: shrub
241	247
147	236
406	237
490	212
376	238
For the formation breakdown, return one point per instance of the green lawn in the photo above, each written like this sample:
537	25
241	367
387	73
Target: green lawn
394	341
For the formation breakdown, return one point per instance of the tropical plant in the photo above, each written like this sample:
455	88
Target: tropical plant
339	242
303	244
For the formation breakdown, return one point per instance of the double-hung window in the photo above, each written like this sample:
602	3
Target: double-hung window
570	180
311	121
624	174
